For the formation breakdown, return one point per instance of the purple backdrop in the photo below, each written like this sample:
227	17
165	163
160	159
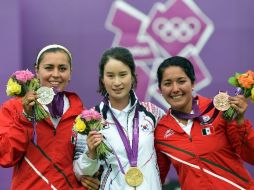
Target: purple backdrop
28	25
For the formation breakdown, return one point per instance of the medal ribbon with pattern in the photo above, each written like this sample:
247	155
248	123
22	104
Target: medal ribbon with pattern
133	176
197	112
132	152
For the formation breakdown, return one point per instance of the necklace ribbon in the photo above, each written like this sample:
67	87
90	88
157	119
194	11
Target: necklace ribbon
197	112
132	152
57	105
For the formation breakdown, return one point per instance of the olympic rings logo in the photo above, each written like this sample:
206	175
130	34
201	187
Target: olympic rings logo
176	28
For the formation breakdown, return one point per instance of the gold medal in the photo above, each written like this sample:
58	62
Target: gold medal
220	101
134	177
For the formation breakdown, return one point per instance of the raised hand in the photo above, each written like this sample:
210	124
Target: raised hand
240	105
94	138
28	101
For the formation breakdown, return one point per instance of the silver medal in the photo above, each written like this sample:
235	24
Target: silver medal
46	95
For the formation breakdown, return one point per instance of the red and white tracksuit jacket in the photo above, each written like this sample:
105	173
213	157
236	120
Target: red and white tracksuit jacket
212	160
47	165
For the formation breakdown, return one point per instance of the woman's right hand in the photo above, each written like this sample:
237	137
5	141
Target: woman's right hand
28	102
94	138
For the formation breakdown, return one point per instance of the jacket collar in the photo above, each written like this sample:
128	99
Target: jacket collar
133	101
75	108
169	122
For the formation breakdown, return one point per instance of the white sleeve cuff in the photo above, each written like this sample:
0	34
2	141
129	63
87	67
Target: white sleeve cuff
85	166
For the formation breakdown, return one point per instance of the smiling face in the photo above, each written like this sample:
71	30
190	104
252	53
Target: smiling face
176	87
54	70
117	80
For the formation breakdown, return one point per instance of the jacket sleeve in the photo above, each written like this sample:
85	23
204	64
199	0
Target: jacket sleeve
163	163
241	138
14	133
82	164
162	160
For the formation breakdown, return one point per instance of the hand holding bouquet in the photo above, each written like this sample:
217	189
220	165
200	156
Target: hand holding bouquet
90	120
19	84
245	86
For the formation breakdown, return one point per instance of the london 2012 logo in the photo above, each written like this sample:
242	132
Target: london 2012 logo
176	27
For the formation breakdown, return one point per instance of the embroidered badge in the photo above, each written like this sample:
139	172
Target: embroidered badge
145	127
208	131
205	118
168	133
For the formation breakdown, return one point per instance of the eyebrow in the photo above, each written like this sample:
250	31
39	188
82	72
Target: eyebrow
180	78
51	64
118	72
123	72
167	80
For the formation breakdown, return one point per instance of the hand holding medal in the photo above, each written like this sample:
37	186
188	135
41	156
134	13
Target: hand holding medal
23	84
45	97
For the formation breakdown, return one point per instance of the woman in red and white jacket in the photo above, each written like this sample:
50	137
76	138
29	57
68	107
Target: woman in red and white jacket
47	163
206	151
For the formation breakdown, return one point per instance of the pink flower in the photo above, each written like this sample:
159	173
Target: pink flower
23	76
96	115
86	115
89	115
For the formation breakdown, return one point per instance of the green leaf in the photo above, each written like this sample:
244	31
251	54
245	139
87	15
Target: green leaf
247	92
233	81
237	74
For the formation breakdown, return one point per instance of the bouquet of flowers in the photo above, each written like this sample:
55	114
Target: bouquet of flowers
245	85
90	120
19	83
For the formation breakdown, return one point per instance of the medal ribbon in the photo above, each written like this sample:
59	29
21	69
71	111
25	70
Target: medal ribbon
57	105
197	113
132	152
34	128
183	115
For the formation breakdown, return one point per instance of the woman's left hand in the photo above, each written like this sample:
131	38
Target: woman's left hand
91	183
240	105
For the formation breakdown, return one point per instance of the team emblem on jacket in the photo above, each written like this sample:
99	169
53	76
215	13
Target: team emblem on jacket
168	133
145	128
147	125
208	130
205	118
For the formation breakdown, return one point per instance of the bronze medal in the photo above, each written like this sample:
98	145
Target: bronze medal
134	177
220	101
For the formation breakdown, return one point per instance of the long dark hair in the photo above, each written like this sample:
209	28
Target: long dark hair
119	53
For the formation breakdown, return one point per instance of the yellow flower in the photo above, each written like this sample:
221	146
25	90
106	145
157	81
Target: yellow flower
13	88
80	125
252	94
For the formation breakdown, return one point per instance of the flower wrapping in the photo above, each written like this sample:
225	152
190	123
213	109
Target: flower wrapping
90	120
19	83
245	86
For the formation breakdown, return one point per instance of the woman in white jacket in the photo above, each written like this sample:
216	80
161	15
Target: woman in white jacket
129	131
